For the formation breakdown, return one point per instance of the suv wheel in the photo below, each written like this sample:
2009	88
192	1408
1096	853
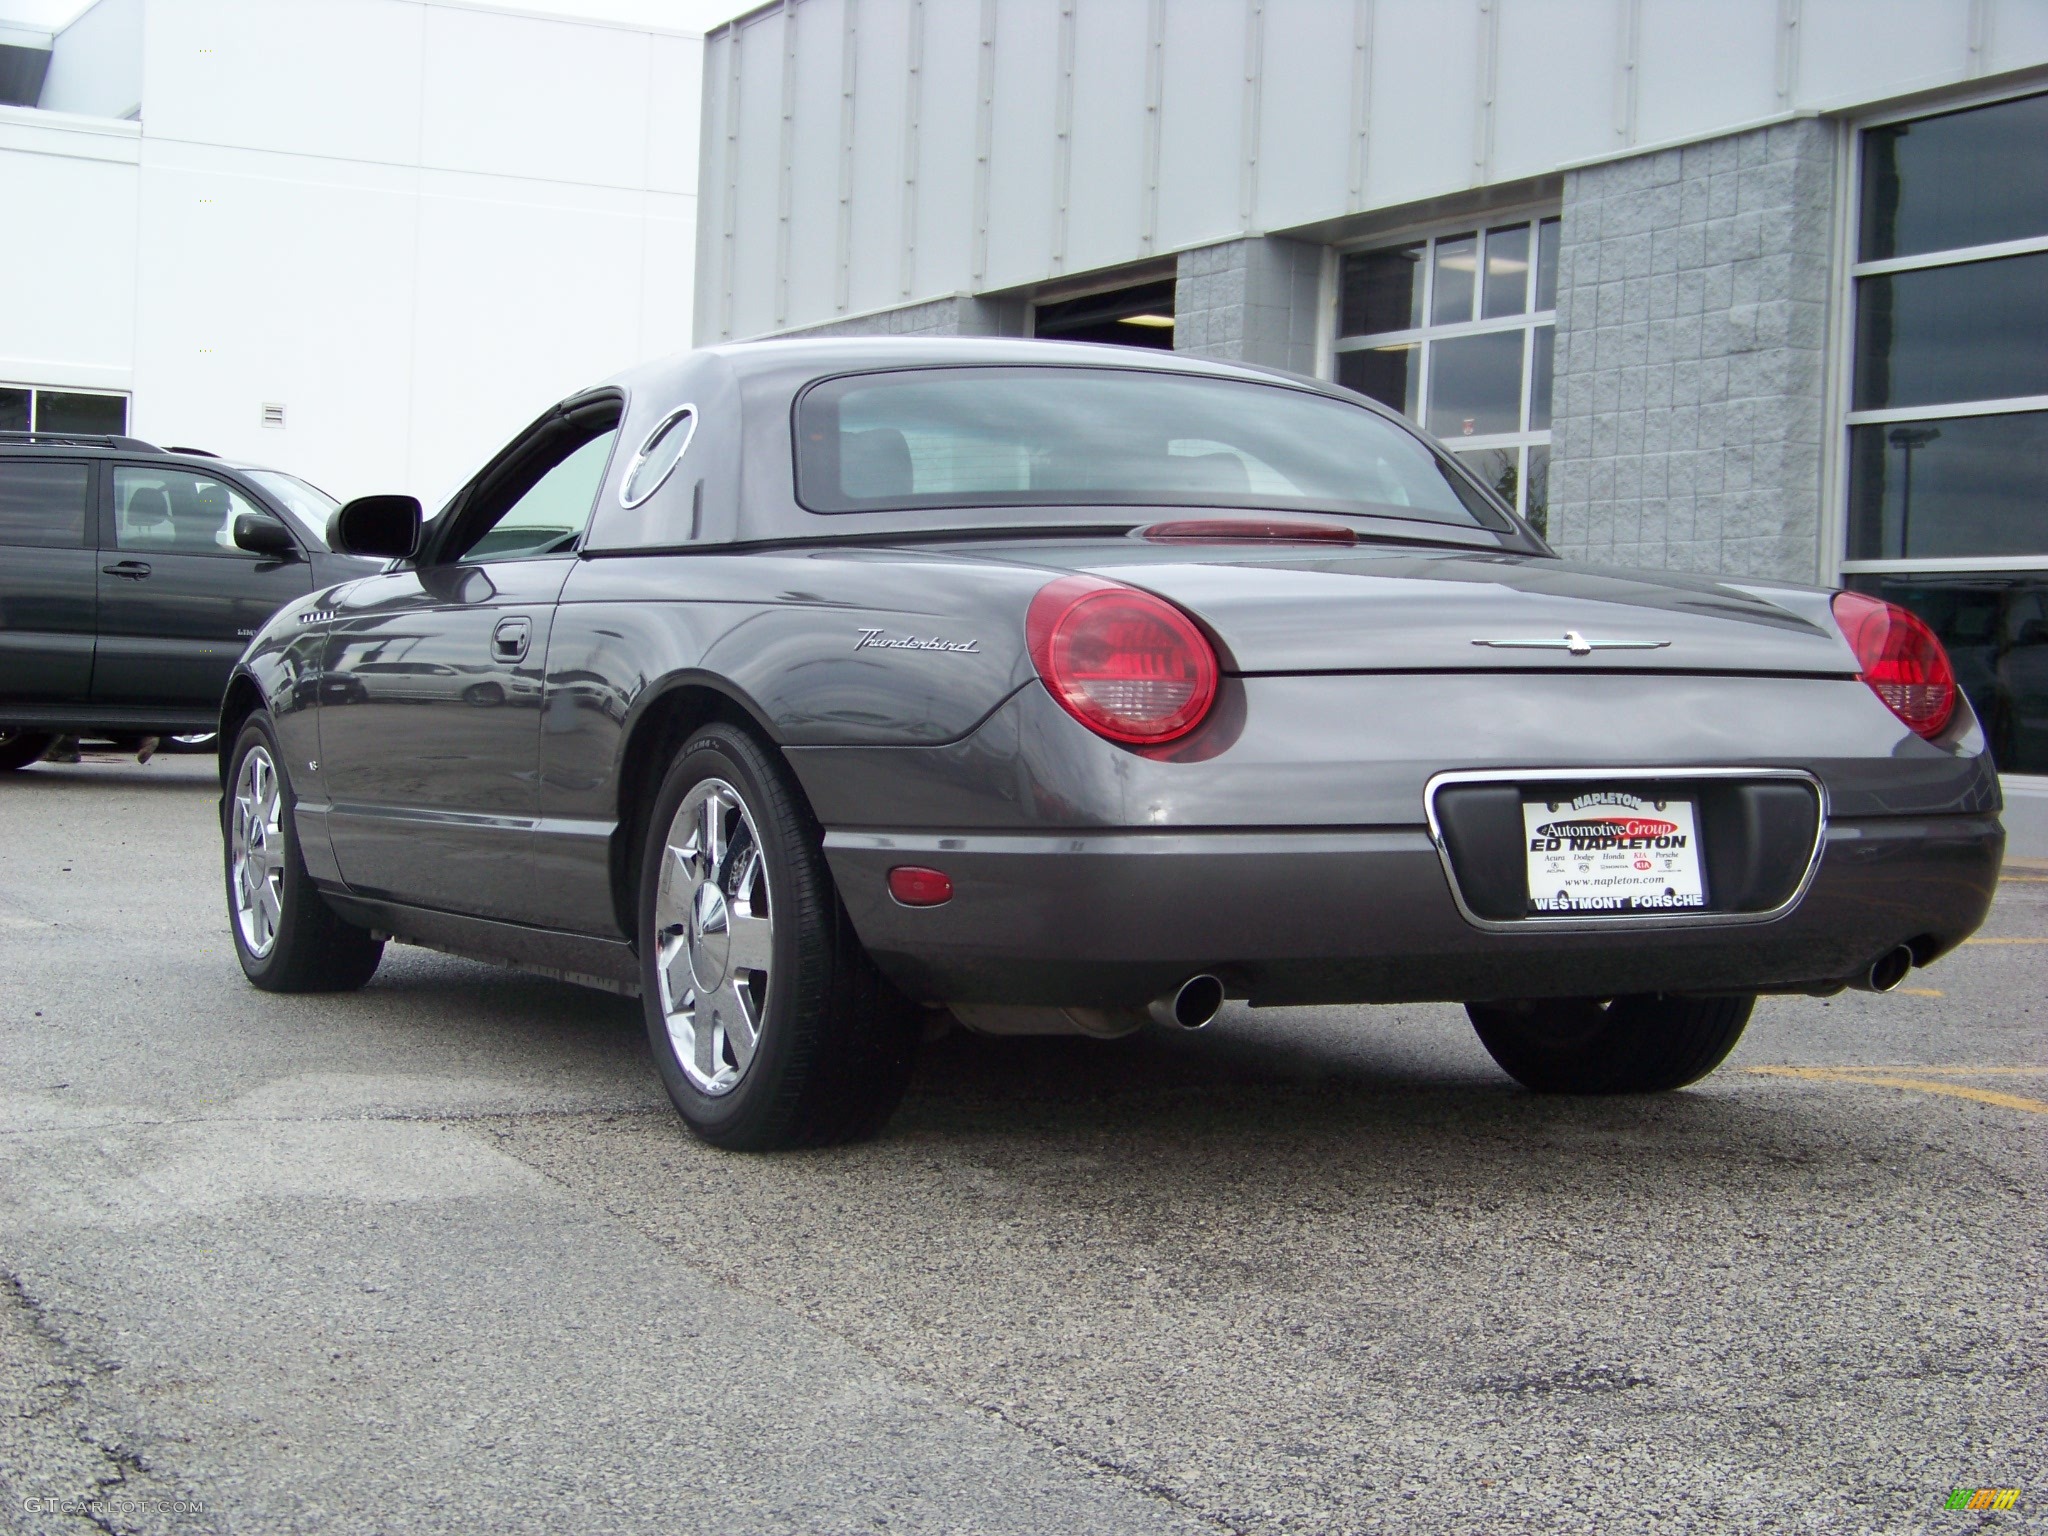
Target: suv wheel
19	748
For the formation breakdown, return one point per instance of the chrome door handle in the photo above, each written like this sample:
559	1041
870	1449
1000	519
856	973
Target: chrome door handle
134	570
508	640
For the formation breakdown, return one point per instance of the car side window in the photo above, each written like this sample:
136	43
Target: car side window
177	512
43	502
551	515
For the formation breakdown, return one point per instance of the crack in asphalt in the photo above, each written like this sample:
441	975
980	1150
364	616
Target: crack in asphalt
60	1396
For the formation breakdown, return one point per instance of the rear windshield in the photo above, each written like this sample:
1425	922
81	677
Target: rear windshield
1006	437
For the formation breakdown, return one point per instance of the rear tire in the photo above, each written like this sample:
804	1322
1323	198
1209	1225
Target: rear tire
286	936
19	748
1648	1044
769	1023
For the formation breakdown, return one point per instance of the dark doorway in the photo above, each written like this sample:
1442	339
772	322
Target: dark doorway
1127	317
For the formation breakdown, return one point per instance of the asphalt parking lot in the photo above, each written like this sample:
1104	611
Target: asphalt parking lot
438	1257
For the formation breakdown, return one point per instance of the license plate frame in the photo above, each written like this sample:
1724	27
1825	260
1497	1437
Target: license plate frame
1608	852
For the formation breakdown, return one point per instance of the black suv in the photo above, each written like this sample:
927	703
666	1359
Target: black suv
131	578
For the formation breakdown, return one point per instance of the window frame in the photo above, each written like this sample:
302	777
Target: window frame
1531	319
110	527
459	522
1835	561
35	408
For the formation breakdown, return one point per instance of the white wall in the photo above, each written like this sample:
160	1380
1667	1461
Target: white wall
412	224
96	63
67	261
1270	115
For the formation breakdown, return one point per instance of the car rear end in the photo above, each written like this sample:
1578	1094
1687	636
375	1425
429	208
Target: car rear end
1372	807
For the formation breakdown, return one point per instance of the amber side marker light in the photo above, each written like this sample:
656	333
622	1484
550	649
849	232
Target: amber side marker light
1247	530
1902	661
916	886
1127	664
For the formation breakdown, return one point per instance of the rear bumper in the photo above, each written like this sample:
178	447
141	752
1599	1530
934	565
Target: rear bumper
1368	916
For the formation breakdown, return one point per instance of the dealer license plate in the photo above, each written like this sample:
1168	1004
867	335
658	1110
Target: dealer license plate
1609	852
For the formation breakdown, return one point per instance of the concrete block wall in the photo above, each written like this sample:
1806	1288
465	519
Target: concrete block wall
1250	301
1688	422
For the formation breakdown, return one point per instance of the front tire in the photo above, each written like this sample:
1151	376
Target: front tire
286	936
1649	1044
19	748
769	1023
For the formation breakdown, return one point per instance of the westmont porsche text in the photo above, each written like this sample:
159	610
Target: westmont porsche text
814	690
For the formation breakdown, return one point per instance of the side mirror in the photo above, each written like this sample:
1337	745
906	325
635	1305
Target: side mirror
265	536
384	527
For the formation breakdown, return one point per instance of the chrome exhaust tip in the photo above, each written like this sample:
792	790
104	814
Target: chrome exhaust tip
1191	1005
1887	971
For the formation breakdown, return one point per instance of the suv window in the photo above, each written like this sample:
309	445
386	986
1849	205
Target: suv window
177	512
43	502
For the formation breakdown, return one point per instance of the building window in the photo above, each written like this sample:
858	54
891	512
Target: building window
1457	332
25	408
1947	430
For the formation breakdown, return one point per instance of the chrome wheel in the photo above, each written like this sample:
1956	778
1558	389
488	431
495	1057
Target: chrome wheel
256	852
714	936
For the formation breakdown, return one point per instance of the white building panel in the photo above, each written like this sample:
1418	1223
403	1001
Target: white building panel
1425	100
668	280
1703	66
2015	35
1307	100
951	99
262	283
582	117
67	265
674	67
813	260
1853	50
238	72
881	75
1537	127
497	342
1023	190
1456	94
1201	152
96	63
1105	199
753	193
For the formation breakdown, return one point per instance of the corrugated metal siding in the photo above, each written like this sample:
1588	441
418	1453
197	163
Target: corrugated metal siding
976	145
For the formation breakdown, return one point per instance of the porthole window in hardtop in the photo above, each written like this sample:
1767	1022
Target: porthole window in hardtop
658	456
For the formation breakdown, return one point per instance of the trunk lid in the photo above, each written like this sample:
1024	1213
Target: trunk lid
1398	610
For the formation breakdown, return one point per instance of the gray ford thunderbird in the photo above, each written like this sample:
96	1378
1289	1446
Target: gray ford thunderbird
816	690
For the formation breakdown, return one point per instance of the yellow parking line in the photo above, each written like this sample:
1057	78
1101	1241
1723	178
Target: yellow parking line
1920	992
1946	1071
1917	1085
2005	941
2026	879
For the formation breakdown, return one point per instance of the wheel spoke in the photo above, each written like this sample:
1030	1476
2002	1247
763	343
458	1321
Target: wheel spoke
742	1028
711	833
752	943
706	1041
268	904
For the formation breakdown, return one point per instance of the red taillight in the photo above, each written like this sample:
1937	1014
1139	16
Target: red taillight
1247	530
1901	660
1126	664
916	886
